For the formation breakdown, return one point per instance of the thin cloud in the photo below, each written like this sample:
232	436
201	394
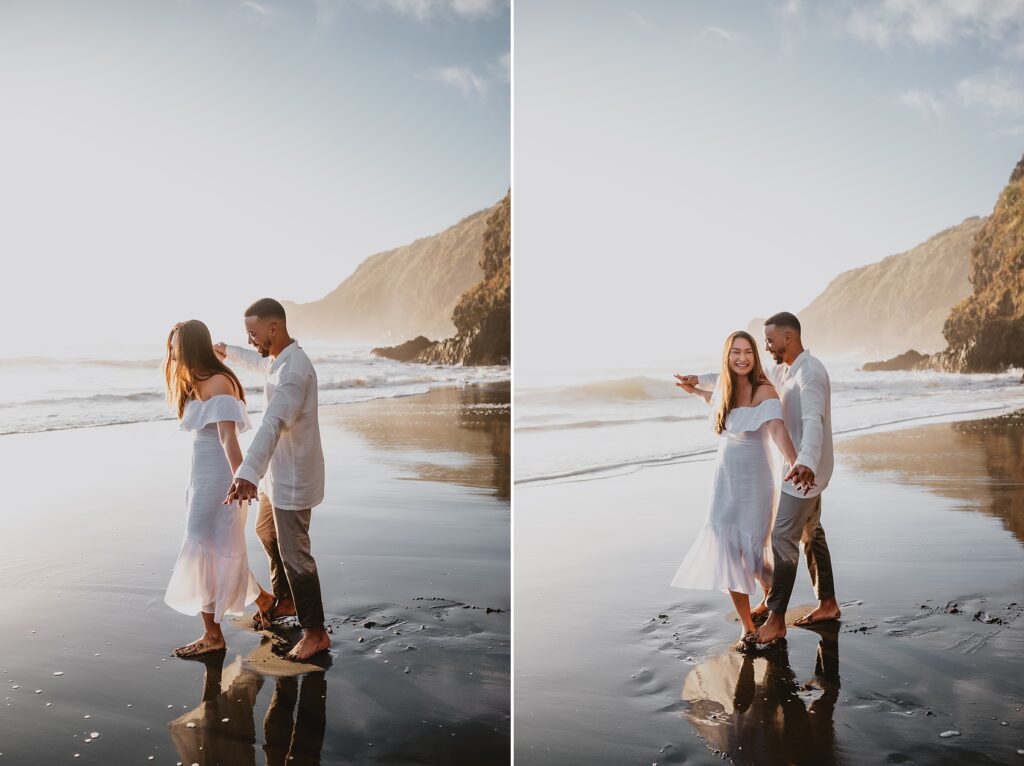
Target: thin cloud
257	13
327	11
938	22
996	92
721	34
924	103
471	85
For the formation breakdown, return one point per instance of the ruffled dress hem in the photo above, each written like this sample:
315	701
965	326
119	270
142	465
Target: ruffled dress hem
206	581
725	559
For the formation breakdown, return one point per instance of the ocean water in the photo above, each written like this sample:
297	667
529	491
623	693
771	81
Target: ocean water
125	385
621	420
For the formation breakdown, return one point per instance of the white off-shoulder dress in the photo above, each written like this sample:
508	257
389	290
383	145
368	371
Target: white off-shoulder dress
212	572
733	549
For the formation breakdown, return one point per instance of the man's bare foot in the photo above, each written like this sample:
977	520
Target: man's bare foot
773	629
205	645
826	611
312	642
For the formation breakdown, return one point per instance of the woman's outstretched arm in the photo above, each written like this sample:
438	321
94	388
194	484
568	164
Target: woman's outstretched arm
689	384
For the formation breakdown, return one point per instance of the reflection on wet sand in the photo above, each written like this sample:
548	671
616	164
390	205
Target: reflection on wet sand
978	461
221	730
753	709
479	434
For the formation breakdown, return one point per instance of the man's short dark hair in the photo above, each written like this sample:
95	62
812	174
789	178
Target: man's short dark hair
266	308
784	319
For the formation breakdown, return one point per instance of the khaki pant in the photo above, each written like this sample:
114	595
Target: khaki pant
285	538
799	521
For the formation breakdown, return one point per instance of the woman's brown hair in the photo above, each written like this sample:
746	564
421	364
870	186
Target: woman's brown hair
728	378
190	359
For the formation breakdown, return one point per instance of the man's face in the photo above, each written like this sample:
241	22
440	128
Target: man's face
775	342
261	333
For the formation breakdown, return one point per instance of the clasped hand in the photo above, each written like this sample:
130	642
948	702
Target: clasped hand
240	490
802	478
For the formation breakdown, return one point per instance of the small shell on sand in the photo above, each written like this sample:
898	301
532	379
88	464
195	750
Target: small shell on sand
86	716
224	720
94	734
190	725
58	672
950	733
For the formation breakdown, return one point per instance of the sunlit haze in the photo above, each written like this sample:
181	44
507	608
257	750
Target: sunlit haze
172	160
681	168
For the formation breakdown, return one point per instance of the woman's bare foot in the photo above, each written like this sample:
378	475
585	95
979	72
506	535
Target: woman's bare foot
759	613
268	611
312	642
208	644
773	629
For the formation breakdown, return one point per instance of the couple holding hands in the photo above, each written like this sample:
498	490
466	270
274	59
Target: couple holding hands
753	530
211	576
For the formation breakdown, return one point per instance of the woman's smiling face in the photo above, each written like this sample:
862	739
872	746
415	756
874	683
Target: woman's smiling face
741	357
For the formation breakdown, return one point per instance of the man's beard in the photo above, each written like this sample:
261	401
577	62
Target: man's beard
777	356
264	351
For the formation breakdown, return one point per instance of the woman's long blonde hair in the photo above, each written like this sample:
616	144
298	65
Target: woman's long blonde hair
728	378
189	360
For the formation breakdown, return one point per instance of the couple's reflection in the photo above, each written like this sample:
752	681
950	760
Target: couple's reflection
753	707
221	728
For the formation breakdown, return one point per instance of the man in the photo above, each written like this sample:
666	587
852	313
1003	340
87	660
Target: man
803	385
286	452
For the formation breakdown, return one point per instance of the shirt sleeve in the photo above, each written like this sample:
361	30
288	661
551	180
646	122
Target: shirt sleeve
249	359
281	412
812	415
708	380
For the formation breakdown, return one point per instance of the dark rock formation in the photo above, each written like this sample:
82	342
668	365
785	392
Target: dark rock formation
405	352
909	360
483	316
986	331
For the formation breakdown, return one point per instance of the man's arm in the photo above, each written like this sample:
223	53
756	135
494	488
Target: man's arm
812	416
283	409
245	357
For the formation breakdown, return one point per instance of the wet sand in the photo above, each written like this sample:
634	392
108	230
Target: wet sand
412	544
613	666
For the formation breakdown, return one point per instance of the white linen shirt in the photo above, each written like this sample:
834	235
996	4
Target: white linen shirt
286	450
806	395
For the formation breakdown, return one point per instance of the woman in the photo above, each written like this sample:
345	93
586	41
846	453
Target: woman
732	551
212	574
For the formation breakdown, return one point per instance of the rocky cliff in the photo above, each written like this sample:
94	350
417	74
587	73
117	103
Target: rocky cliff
898	303
985	332
411	290
483	316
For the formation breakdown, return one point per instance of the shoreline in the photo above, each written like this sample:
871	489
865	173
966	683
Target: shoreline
699	455
432	387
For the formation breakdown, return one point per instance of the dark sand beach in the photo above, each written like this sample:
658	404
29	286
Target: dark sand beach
412	544
926	527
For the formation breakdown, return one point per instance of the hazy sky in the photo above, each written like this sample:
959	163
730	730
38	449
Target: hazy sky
168	159
682	167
